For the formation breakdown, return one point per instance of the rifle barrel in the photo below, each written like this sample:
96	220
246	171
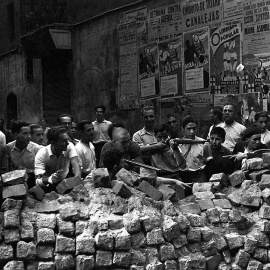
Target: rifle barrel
142	165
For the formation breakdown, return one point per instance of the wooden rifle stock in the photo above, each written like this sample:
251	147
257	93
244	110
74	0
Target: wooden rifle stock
132	162
187	141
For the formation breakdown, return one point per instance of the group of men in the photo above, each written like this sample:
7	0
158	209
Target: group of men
51	154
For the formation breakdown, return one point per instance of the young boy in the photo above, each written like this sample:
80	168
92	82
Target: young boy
217	163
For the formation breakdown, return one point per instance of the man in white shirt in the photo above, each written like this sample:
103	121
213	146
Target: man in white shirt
262	121
85	149
101	127
52	162
233	129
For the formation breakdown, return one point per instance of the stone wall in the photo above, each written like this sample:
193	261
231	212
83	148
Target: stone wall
223	225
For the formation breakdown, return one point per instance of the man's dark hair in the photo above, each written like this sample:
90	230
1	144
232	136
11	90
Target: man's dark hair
33	127
160	128
16	125
147	108
218	113
54	133
112	127
100	106
261	114
83	123
171	115
64	115
250	131
218	131
188	119
111	158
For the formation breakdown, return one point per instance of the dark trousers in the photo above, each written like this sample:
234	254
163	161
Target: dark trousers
98	147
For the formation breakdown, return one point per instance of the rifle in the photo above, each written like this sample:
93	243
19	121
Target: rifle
183	141
132	162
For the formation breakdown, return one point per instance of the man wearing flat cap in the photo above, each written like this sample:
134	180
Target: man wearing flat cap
251	142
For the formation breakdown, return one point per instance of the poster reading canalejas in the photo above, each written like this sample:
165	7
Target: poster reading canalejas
202	13
196	61
170	68
225	56
165	22
127	39
148	71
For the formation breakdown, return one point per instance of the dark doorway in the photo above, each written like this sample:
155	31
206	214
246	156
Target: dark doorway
12	112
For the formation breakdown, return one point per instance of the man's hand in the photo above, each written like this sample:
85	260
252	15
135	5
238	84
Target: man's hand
55	178
240	156
158	146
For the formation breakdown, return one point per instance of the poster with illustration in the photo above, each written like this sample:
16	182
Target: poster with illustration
170	68
148	71
196	60
225	56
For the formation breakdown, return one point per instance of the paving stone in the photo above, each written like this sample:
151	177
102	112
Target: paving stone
212	262
127	177
250	244
261	254
31	265
219	195
150	191
65	227
209	248
26	251
262	239
11	204
234	240
235	197
213	215
132	222
17	191
101	178
264	212
64	244
79	193
204	195
45	236
115	222
27	230
223	203
85	244
236	178
46	221
84	262
14	177
257	175
223	215
45	252
68	184
167	252
201	187
103	258
68	212
46	266
221	242
194	235
154	266
155	237
255	163
195	220
80	227
136	267
14	265
183	223
170	265
12	219
227	258
104	240
138	257
168	193
221	178
170	229
6	252
11	236
147	175
252	196
207	234
64	262
254	265
192	208
122	240
37	192
193	261
242	258
47	207
121	259
121	189
138	240
205	204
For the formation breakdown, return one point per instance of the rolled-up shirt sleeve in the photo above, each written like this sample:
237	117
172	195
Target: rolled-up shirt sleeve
137	139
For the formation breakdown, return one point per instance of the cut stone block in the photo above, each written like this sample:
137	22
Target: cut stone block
167	192
236	178
84	262
127	177
120	189
67	184
150	191
85	244
37	192
101	178
26	251
11	204
64	244
147	175
103	258
14	177
17	191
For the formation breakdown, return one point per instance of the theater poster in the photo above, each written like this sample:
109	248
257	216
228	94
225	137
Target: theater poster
148	71
196	61
225	56
170	68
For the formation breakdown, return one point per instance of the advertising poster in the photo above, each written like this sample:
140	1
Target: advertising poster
225	56
196	61
256	26
165	22
202	13
170	68
148	71
232	11
128	96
